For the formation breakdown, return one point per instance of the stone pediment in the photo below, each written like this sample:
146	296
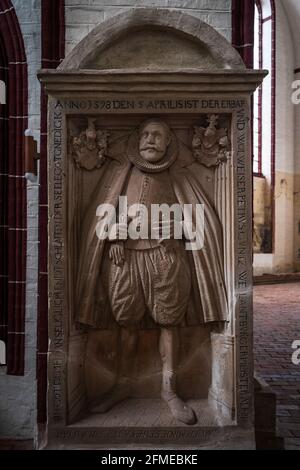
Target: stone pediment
155	50
153	39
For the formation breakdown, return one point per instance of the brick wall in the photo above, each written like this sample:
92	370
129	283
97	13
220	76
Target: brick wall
17	405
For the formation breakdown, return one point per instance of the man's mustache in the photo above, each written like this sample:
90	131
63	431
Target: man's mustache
149	147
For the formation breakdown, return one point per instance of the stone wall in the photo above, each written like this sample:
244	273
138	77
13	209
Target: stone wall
83	15
294	19
284	157
282	260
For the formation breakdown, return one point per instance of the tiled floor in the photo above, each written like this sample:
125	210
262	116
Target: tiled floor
276	326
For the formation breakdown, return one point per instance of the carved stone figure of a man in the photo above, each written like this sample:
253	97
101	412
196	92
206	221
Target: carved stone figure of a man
136	278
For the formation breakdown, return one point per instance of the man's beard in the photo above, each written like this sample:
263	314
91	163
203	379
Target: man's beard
151	154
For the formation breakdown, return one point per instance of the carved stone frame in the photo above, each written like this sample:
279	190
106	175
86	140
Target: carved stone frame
79	92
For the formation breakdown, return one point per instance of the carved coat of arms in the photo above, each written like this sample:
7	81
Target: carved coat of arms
211	145
89	148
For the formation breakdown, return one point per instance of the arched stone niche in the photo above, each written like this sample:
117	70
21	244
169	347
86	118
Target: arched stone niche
135	66
153	39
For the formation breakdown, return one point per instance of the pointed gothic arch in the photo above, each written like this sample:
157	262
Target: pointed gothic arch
13	208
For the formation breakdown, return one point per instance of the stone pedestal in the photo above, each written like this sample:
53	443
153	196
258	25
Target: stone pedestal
185	73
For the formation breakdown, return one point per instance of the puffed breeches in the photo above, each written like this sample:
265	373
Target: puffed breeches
150	281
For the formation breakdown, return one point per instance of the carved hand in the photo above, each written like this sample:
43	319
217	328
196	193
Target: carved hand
117	253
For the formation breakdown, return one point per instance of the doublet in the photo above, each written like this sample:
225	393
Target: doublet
149	188
145	189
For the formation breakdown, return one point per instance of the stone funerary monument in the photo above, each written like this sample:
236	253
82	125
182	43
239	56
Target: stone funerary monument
150	338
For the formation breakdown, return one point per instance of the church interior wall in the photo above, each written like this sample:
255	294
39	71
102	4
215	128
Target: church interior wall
18	409
83	16
281	260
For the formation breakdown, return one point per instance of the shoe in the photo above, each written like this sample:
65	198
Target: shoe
179	409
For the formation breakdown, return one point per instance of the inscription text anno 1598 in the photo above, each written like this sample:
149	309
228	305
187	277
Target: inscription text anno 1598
167	105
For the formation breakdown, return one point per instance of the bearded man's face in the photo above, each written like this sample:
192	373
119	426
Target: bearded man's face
154	141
